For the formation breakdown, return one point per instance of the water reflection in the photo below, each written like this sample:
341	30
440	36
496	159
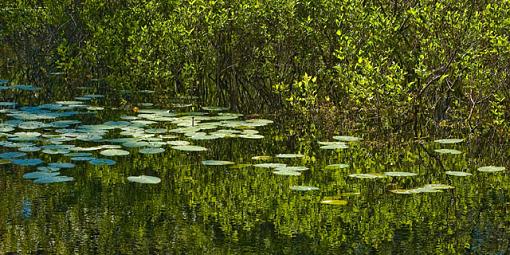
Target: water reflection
199	209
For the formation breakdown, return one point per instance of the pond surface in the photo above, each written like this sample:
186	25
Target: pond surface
83	176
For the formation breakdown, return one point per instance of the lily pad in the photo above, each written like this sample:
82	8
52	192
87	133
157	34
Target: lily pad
287	173
292	168
458	173
39	174
336	166
449	141
27	162
334	147
178	143
61	165
289	155
367	176
448	151
145	179
151	150
303	188
400	174
53	179
334	202
114	152
189	148
491	169
344	138
13	154
102	162
216	162
261	158
270	165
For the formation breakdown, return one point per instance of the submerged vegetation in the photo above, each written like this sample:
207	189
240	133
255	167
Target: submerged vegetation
398	65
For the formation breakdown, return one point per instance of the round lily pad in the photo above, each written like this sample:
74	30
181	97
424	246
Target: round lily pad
367	176
61	165
448	151
292	168
39	174
53	179
251	136
270	165
189	148
449	141
289	155
13	154
458	173
261	158
336	166
334	202
151	150
145	179
102	162
303	188
178	143
491	169
27	162
287	173
114	152
216	162
400	174
344	138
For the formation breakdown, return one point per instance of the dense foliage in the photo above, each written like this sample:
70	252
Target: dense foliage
398	64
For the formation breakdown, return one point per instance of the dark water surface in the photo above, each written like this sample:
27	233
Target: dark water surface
242	209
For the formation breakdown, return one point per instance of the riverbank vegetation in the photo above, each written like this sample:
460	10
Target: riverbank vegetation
410	65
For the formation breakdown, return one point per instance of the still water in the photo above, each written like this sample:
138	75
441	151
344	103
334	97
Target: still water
216	188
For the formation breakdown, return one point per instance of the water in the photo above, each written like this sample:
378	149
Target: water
198	209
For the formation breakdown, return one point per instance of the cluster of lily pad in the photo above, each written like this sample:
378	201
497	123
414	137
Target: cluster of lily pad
429	188
55	129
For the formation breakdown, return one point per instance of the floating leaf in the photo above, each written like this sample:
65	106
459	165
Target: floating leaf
216	163
251	136
438	186
289	155
491	169
344	138
367	176
53	179
400	174
303	188
449	141
152	150
261	158
114	152
448	151
101	162
292	168
458	173
145	179
39	174
334	202
61	165
82	158
13	154
178	143
270	165
189	148
27	162
287	172
336	166
334	147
